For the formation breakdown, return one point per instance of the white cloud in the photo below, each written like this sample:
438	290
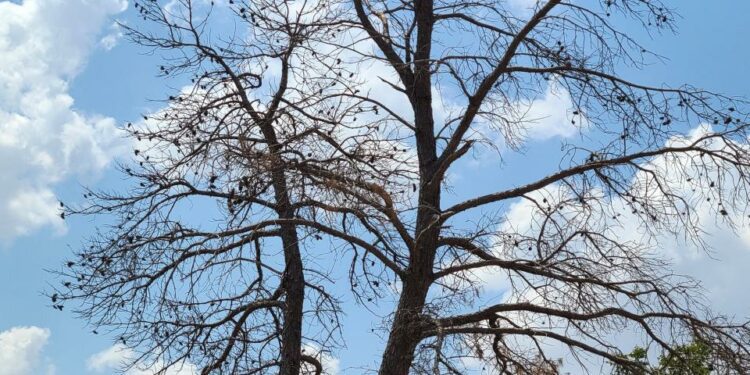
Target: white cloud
117	357
514	124
677	172
110	40
43	139
523	6
21	351
550	116
112	357
330	363
723	270
722	273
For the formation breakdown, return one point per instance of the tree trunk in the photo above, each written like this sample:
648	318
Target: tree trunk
408	323
293	280
294	290
405	331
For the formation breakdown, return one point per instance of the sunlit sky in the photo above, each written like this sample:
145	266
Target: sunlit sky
68	80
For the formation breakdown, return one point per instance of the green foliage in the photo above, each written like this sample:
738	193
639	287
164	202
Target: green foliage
690	359
638	355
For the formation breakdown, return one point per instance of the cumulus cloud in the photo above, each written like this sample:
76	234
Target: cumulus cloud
43	139
329	363
21	351
550	115
721	271
117	357
723	226
113	37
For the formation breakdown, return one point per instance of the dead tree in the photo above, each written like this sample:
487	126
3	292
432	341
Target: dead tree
574	281
249	141
276	128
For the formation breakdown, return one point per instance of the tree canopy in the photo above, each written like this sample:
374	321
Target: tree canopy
689	359
297	161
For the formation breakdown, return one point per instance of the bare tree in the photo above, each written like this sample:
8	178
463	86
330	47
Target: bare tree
276	128
226	292
573	279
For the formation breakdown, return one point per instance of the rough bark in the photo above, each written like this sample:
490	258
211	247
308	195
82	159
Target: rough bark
405	333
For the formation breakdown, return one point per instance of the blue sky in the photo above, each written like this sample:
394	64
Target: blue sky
67	81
